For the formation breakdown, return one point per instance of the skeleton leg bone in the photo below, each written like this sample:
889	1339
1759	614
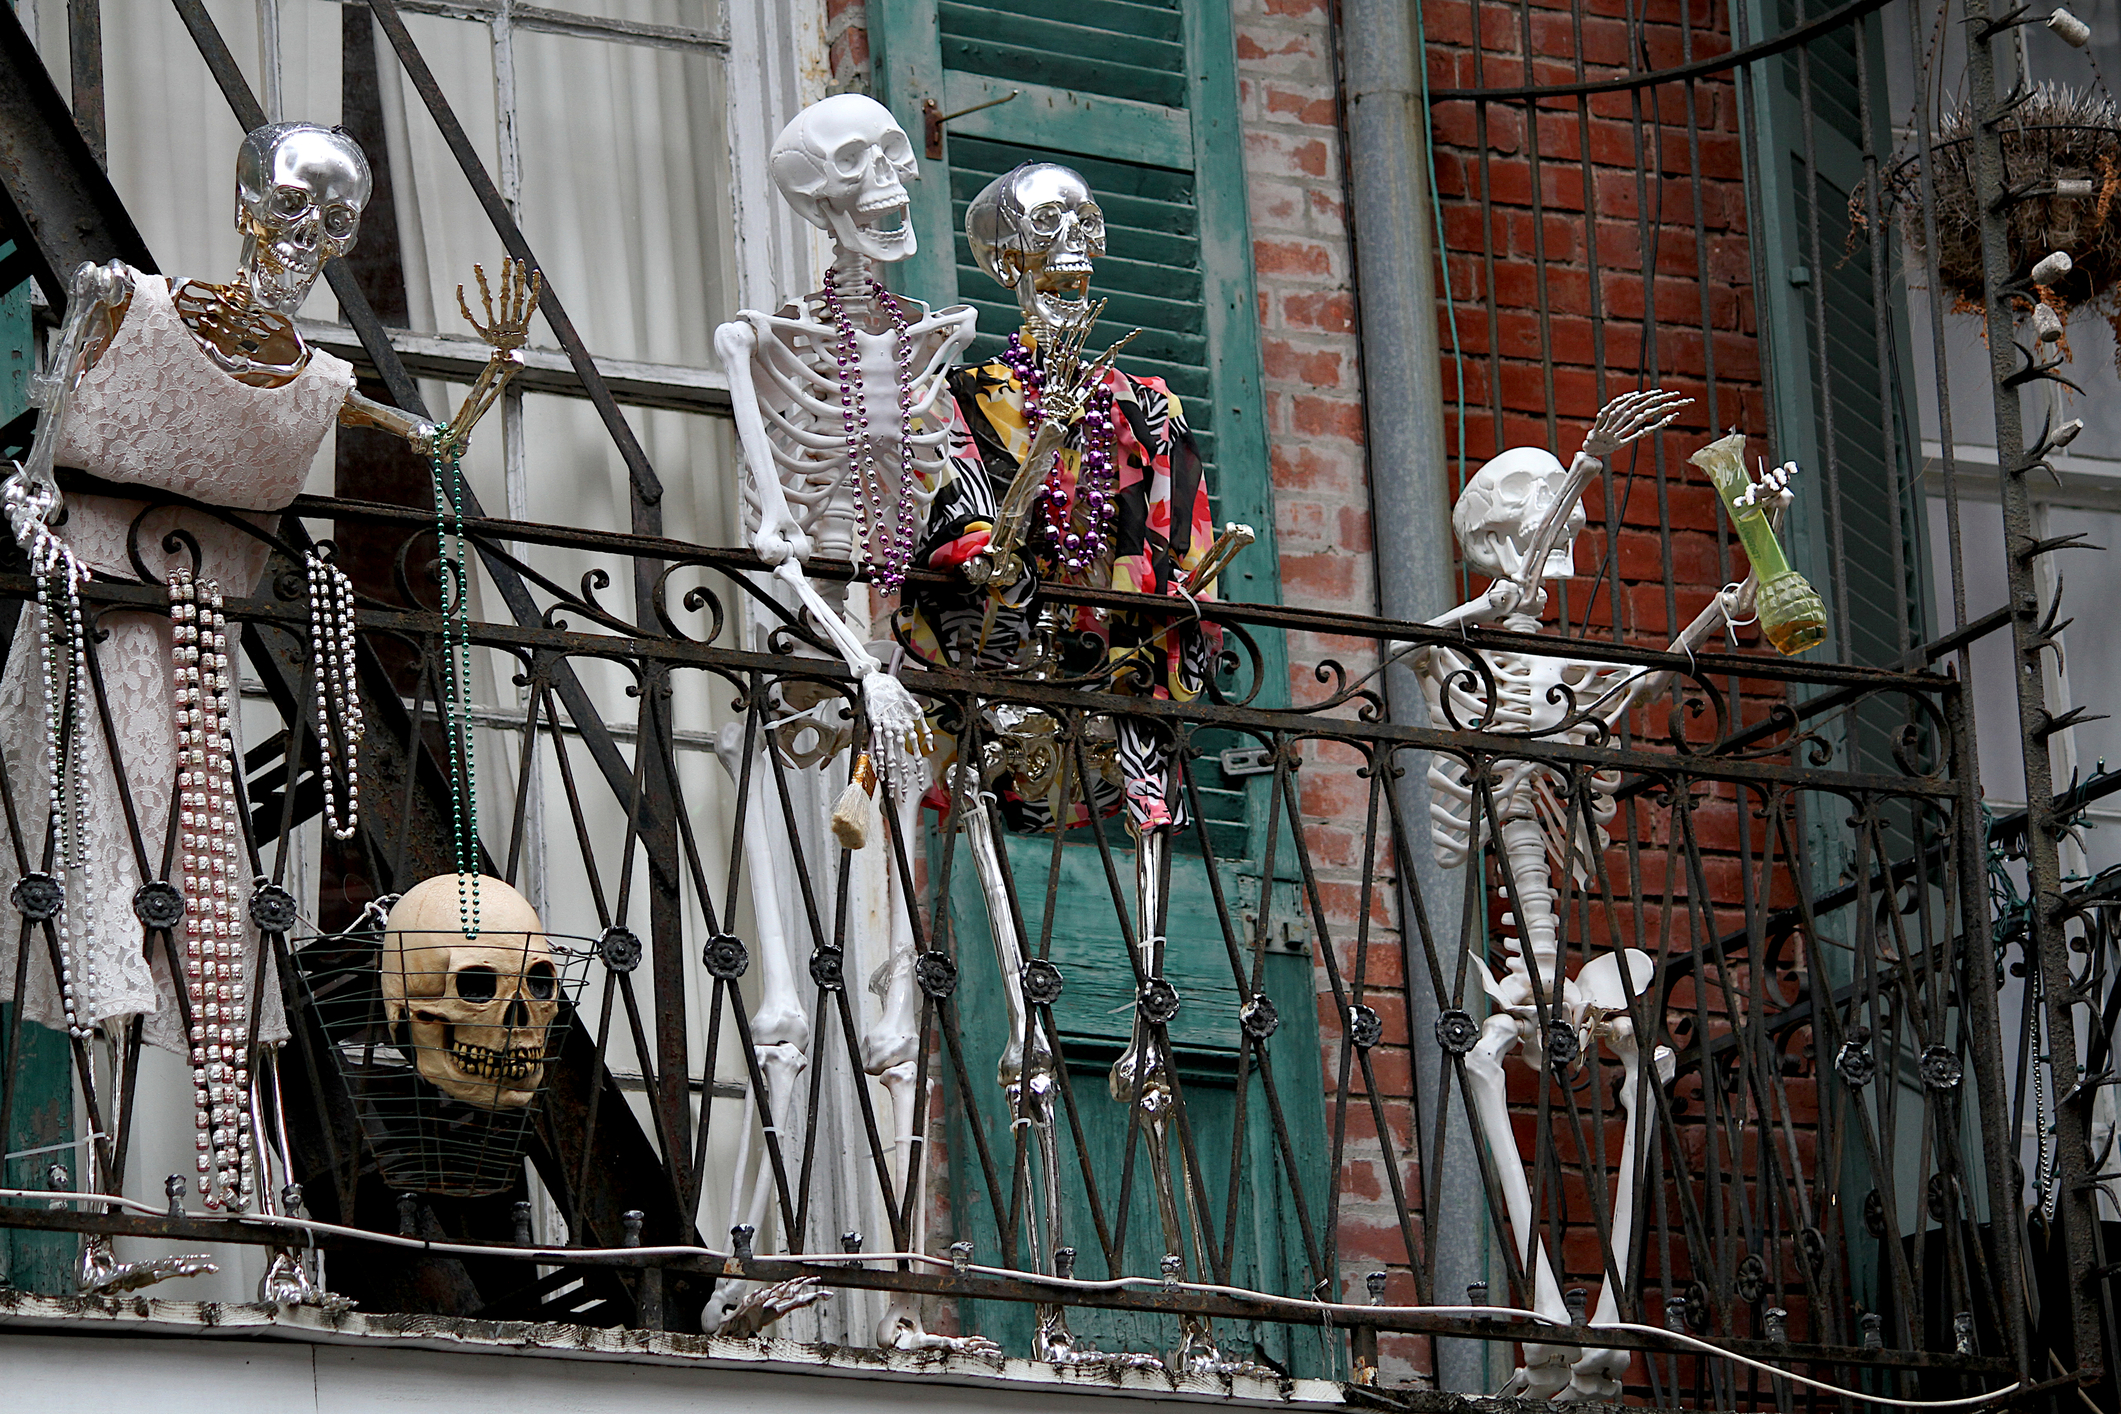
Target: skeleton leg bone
1141	1076
1545	1370
1029	1084
891	1053
1598	1373
1536	946
780	1027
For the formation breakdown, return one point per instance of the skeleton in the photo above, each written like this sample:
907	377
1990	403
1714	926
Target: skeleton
842	164
1517	521
1037	231
207	391
475	1011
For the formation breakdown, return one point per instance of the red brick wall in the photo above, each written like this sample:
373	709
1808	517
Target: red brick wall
1571	250
1307	314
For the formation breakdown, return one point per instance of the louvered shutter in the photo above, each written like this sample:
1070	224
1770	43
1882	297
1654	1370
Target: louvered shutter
1140	96
1830	340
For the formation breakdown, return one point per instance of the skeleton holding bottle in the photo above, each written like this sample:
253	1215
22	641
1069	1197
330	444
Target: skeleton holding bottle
1517	520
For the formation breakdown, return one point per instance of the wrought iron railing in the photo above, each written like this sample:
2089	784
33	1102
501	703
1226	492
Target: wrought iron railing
1824	1190
1821	1031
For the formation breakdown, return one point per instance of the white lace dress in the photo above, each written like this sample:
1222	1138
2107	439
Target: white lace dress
155	411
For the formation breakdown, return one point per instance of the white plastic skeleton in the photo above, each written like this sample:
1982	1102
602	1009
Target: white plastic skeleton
842	164
1517	520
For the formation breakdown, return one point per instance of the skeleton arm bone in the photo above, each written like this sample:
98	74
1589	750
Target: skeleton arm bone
96	289
780	536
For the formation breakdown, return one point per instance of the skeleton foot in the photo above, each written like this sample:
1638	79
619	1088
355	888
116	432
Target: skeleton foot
286	1283
1055	1345
900	1329
740	1309
1198	1354
102	1274
1597	1375
1544	1373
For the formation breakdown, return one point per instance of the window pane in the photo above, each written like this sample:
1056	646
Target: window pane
678	14
625	188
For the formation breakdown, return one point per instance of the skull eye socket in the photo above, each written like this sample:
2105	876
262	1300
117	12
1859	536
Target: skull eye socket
1093	221
898	149
339	221
477	984
1045	221
541	981
851	157
289	202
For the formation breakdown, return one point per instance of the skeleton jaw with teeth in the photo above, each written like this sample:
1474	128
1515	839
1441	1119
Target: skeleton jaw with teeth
843	164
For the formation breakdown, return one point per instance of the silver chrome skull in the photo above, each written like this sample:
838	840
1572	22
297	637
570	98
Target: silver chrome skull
1499	513
1035	230
476	1011
300	191
843	164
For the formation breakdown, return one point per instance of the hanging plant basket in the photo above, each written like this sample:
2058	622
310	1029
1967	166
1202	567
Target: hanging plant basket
2059	135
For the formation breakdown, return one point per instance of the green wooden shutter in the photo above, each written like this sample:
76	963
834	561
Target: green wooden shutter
1821	321
40	1107
1140	96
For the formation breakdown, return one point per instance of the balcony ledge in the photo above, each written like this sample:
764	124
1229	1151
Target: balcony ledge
53	1344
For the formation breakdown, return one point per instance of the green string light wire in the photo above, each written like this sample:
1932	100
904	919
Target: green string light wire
456	675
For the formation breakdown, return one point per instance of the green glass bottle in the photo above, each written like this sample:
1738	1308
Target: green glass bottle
1791	613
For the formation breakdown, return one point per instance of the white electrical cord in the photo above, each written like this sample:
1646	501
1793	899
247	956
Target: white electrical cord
1331	1310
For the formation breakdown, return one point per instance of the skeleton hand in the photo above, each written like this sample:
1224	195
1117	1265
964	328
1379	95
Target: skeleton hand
1771	489
1069	382
1631	416
520	287
898	730
506	329
767	1304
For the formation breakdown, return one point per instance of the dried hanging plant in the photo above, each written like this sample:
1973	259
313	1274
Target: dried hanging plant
2058	135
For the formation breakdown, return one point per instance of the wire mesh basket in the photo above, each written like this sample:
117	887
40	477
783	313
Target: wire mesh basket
444	1044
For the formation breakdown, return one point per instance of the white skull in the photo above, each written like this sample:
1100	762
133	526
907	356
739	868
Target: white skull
300	191
843	164
1500	510
1036	230
477	1010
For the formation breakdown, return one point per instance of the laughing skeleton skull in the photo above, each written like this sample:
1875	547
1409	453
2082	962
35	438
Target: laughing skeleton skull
1036	231
476	1010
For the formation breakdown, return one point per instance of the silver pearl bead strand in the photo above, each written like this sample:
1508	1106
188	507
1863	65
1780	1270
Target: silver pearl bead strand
62	647
211	845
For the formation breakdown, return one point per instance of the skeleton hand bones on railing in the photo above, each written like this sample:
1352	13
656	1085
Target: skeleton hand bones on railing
1067	386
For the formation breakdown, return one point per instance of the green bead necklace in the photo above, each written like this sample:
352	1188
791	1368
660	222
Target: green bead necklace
456	676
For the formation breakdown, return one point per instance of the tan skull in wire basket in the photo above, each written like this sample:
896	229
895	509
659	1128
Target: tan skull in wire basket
477	1010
